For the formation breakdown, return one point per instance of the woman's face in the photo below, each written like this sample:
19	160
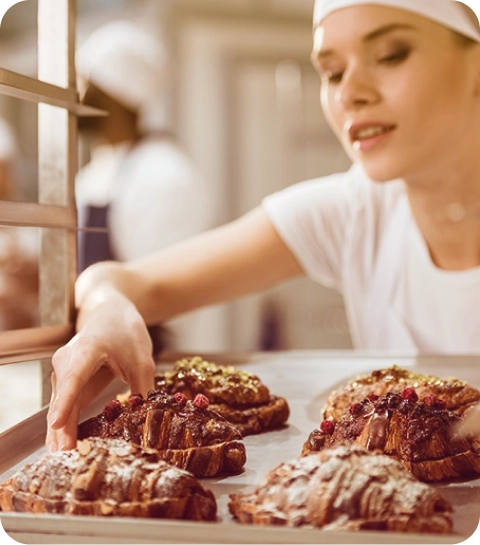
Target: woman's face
398	90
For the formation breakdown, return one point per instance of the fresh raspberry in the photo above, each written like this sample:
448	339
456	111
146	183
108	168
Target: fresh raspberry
356	408
181	398
201	401
440	404
430	399
112	410
135	400
433	401
327	426
372	397
409	394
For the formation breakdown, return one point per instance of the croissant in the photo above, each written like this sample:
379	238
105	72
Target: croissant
457	394
107	477
186	434
420	434
240	397
344	488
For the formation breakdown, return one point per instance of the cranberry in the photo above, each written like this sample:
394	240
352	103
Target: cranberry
327	426
372	397
409	394
440	404
430	399
356	408
112	410
135	400
201	401
180	398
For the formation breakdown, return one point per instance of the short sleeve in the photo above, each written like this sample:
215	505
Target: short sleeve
315	219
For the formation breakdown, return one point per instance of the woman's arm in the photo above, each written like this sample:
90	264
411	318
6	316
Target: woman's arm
242	257
115	300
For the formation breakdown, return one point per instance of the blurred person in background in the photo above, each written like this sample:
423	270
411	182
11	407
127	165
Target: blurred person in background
18	252
139	185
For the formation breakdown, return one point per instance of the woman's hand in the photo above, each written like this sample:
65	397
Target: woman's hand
113	341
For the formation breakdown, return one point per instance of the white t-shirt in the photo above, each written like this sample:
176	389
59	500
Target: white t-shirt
359	237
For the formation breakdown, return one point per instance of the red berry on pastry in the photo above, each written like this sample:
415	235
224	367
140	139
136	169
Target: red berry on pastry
180	398
372	397
430	399
328	427
409	394
201	401
434	401
356	408
112	410
440	404
135	400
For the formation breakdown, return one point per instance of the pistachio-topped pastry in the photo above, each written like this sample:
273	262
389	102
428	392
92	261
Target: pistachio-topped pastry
240	397
457	394
225	384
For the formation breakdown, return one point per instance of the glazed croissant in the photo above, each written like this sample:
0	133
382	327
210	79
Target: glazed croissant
421	434
240	397
457	394
107	477
344	488
186	434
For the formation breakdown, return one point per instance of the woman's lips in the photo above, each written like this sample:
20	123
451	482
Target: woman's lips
366	136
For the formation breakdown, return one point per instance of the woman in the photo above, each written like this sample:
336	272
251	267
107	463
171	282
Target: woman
399	234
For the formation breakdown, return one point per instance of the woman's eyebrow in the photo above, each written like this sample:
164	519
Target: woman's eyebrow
373	35
385	30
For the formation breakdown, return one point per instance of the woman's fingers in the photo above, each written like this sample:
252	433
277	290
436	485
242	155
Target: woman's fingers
73	366
114	342
141	378
64	438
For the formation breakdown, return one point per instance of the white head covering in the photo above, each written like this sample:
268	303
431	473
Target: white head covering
126	62
449	13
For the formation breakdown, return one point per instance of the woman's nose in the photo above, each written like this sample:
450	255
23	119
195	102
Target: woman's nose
356	89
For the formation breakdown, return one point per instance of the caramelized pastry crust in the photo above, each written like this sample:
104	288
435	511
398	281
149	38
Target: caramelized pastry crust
107	477
238	396
223	384
457	394
185	433
344	488
420	434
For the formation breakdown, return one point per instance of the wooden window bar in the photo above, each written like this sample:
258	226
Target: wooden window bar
55	92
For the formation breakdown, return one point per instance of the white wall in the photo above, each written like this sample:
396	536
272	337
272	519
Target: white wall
251	138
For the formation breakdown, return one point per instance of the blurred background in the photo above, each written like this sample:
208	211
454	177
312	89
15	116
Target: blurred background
243	101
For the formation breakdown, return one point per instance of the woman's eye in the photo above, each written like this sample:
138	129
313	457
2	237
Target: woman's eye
332	77
396	57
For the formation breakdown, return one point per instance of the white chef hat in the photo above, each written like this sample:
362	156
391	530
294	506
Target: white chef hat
449	13
126	62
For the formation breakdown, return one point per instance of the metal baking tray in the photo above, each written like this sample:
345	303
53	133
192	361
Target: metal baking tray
305	378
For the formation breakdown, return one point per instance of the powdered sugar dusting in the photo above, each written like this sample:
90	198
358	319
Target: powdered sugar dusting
342	487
